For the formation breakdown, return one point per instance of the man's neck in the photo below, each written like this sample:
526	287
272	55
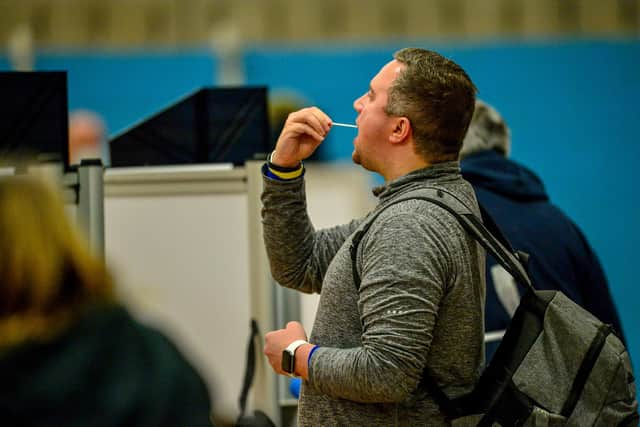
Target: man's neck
402	167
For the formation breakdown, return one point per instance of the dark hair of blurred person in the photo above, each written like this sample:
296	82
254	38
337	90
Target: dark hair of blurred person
70	354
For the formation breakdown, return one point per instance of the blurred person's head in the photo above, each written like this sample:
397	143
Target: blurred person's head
487	131
420	98
87	137
48	275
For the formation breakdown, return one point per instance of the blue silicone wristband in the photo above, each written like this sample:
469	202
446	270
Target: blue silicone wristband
311	354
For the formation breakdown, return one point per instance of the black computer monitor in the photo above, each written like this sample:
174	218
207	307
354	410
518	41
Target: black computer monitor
34	116
211	125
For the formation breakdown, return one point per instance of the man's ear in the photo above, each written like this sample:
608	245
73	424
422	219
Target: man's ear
401	130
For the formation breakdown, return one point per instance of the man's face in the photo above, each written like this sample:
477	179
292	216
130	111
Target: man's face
374	125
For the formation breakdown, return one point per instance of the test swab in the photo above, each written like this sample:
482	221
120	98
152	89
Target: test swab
344	125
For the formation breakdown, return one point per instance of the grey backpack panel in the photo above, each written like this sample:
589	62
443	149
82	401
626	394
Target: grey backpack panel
557	364
546	373
611	385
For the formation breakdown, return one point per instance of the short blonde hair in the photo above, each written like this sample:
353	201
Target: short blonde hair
48	274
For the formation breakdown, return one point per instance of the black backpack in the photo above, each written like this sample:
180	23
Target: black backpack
557	365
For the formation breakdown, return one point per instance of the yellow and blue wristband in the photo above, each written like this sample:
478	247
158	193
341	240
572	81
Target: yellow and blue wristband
281	173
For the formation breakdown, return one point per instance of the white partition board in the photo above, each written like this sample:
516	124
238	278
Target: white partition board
181	262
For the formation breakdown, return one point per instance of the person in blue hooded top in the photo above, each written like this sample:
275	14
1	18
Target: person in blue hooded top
561	257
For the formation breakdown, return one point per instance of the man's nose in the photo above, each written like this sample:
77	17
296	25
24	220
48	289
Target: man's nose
357	104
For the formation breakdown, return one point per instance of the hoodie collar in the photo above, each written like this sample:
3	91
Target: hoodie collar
439	173
492	171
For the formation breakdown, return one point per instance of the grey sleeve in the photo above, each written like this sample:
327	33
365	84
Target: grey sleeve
407	264
298	255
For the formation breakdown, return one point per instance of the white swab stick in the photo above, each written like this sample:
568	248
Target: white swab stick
345	125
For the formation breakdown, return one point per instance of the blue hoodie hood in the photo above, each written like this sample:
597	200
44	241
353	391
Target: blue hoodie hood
492	171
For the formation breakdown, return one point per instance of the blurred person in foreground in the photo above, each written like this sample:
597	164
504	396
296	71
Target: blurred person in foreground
70	354
87	137
421	295
560	256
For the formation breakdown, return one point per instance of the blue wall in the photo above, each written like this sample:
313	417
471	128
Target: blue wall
571	106
126	87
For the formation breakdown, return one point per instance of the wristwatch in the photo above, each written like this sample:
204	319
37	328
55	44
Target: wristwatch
289	357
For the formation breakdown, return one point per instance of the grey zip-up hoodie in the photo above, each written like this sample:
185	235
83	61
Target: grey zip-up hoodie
421	301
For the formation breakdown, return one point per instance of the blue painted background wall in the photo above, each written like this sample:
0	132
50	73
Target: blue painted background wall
571	105
127	87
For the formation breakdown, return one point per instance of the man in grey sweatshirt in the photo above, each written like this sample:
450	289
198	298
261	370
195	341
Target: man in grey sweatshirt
420	302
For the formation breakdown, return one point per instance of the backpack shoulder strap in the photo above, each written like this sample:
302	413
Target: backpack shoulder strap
493	242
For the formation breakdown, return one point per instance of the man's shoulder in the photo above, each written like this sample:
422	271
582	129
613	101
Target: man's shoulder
415	213
452	194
